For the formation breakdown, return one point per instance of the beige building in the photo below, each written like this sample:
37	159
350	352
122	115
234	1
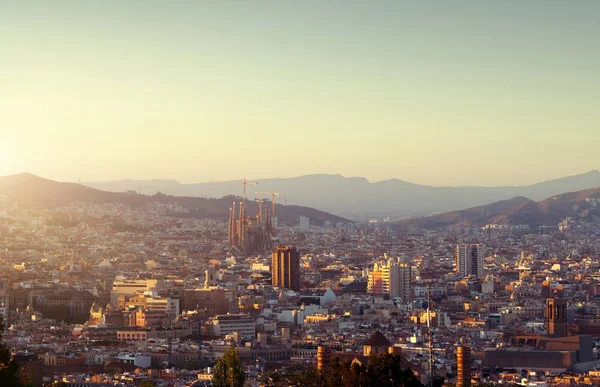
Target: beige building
393	278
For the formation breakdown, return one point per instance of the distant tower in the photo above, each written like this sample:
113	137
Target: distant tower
463	362
210	279
556	317
324	355
469	260
285	268
304	223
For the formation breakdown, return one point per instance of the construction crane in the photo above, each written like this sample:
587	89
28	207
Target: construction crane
244	182
273	194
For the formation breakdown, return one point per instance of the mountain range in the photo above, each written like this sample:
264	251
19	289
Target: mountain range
33	191
354	197
515	211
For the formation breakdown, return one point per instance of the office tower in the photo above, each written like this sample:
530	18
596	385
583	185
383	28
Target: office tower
469	260
556	317
324	355
391	278
463	362
285	270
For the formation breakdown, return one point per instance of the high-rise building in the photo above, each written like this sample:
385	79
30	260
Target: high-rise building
4	298
285	263
463	363
324	355
556	316
375	284
400	281
304	223
391	278
469	260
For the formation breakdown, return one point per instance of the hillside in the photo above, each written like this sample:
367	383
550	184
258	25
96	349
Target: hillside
32	191
516	211
353	197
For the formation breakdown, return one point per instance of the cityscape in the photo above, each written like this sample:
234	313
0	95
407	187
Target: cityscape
213	194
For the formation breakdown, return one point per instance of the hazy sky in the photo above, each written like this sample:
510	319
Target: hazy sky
433	92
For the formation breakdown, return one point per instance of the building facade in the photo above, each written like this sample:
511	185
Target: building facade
469	260
286	268
556	317
391	278
230	323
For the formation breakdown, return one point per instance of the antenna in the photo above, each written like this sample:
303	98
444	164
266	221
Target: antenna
431	374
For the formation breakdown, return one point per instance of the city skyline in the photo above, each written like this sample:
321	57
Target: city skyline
305	193
430	92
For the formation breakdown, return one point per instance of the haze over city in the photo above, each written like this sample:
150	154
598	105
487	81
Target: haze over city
321	193
438	93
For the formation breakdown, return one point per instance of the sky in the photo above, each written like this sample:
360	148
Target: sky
432	92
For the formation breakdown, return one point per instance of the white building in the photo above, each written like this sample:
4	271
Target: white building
304	223
129	288
260	267
167	305
138	360
487	286
226	324
469	260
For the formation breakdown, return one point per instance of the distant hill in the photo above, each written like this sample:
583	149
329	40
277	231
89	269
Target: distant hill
353	197
516	211
33	191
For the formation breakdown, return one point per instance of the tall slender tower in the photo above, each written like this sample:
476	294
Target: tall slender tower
556	316
242	228
230	229
463	363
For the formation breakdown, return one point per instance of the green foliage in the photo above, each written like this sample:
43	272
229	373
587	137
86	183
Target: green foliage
9	369
229	371
380	371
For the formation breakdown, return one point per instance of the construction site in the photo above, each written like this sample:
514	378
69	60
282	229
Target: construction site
252	234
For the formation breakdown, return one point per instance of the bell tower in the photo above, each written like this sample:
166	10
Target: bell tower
556	317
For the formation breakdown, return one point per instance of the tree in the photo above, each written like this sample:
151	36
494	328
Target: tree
229	371
9	369
380	371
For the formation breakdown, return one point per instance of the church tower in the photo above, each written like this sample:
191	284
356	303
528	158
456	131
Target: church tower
556	317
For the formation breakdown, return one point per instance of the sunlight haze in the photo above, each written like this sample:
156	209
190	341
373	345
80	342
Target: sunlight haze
432	92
